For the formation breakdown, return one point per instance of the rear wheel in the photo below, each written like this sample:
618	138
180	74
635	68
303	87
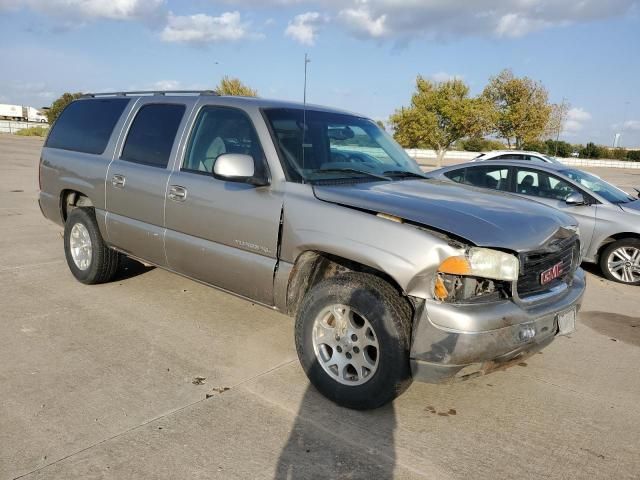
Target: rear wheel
352	339
620	261
90	260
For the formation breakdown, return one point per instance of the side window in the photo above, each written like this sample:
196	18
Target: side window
541	184
86	125
220	130
513	156
495	178
151	136
456	175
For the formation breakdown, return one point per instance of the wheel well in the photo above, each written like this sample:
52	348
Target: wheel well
70	199
615	237
312	267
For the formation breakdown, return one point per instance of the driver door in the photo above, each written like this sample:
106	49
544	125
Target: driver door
553	191
221	232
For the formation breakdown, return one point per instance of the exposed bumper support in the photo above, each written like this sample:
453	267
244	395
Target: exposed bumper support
457	341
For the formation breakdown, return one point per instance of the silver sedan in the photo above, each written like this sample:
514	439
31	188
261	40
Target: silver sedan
609	218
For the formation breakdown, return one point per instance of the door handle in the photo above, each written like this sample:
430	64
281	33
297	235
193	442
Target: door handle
177	193
118	181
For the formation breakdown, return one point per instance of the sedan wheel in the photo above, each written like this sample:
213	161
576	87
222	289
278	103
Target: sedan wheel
624	264
620	261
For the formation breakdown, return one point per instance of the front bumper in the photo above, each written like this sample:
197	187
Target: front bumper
453	342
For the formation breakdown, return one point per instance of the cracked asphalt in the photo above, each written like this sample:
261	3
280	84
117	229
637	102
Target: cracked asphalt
102	382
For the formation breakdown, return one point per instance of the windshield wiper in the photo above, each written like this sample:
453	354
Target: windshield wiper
404	173
354	170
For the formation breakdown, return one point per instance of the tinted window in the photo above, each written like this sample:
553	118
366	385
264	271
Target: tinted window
495	178
86	125
513	156
218	131
541	184
152	133
456	175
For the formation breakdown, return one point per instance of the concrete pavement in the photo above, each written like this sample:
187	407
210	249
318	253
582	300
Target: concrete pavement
97	382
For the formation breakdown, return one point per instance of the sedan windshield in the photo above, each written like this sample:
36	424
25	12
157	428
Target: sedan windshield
598	186
316	146
552	159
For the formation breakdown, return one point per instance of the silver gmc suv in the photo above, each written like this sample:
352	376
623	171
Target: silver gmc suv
319	214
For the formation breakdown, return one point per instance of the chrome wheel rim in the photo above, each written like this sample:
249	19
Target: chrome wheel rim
624	264
346	345
80	246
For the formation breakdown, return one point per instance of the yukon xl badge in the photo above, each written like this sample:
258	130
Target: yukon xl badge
551	274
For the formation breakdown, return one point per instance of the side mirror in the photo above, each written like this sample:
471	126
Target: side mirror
575	199
236	167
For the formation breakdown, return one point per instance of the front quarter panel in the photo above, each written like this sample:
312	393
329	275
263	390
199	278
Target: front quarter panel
407	254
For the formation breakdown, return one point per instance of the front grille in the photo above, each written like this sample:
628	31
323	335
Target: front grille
533	264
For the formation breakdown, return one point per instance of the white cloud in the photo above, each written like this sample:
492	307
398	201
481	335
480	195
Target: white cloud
407	19
91	9
444	77
304	27
203	29
361	22
576	118
166	85
518	25
631	125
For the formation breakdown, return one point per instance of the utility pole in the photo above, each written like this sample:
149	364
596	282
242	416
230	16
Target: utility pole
307	60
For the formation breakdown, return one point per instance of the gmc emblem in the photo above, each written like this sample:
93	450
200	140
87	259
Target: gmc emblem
551	274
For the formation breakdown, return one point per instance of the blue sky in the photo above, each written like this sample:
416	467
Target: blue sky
365	53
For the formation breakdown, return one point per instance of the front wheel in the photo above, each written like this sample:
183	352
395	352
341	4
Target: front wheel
353	339
620	261
90	260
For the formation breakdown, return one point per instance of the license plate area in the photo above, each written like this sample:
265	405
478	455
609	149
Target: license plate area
566	322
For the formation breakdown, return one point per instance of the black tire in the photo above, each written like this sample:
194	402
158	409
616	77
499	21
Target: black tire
390	316
104	261
609	249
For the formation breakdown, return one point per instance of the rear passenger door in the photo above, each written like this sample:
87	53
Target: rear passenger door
221	232
137	179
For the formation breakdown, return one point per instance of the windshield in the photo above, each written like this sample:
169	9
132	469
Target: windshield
552	159
336	146
598	186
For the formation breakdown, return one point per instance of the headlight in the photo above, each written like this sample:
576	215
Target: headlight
479	275
483	262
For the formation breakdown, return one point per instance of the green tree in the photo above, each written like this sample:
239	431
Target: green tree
522	109
380	123
59	104
480	144
591	150
439	115
233	86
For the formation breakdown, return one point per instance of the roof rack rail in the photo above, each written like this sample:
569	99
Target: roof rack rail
151	93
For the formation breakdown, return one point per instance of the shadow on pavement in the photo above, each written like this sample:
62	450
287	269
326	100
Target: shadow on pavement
130	268
328	441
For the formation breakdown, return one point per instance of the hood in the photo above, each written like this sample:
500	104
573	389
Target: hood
633	207
484	218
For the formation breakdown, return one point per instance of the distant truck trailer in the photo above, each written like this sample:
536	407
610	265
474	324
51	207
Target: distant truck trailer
20	113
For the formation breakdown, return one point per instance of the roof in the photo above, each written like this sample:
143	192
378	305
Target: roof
228	99
527	152
510	163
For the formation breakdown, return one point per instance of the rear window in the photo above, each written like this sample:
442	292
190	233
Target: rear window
86	125
152	134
